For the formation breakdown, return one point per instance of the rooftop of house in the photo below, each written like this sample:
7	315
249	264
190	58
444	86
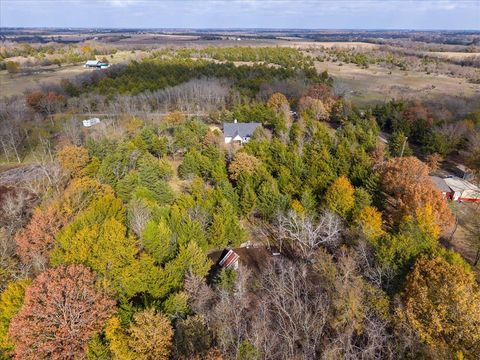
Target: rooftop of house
92	62
240	129
457	184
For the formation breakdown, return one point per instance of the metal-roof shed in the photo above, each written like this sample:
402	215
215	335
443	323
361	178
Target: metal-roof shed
463	190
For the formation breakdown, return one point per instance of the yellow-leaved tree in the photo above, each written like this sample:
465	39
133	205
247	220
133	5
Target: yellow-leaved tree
370	222
243	164
73	159
279	103
340	197
11	301
441	303
149	337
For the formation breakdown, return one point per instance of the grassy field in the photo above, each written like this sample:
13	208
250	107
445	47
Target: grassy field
346	45
362	86
17	84
378	84
453	55
463	240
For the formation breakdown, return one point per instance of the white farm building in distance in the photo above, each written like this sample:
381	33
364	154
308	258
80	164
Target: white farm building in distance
239	132
95	64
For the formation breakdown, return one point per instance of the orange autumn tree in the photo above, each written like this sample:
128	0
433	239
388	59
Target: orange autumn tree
34	99
279	103
441	303
63	307
320	91
407	182
315	106
433	161
35	241
174	118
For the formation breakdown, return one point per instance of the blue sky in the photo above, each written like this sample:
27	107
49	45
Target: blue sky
313	14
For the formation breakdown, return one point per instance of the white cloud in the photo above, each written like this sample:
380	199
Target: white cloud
122	3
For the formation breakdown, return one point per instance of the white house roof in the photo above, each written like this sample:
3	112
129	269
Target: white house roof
457	184
240	129
92	62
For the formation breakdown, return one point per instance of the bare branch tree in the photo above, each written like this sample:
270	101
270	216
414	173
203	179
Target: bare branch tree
138	216
303	234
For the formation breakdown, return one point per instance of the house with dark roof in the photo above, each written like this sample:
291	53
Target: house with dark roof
239	132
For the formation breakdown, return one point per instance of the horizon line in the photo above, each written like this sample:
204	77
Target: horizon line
230	29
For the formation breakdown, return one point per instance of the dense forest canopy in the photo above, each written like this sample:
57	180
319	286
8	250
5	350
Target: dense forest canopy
108	233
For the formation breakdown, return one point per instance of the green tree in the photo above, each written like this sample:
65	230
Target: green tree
162	191
225	229
248	200
150	170
176	305
126	186
268	197
192	336
185	228
246	351
97	238
113	167
397	143
158	241
308	200
190	260
417	234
